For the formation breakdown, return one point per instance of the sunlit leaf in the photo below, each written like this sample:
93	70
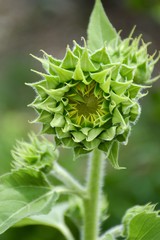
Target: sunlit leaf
100	30
142	223
23	193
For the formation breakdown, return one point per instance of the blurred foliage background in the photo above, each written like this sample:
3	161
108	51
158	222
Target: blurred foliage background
26	26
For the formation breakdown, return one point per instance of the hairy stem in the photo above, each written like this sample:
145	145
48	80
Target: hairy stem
93	203
65	177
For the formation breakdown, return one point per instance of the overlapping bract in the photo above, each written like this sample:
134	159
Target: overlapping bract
38	154
90	99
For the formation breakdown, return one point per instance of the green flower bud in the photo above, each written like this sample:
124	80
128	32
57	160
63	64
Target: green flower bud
90	99
37	154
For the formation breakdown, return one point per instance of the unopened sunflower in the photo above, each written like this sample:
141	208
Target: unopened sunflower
89	99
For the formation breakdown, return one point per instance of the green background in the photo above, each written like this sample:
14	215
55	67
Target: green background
28	26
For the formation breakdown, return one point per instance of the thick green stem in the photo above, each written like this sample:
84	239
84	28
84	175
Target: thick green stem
92	204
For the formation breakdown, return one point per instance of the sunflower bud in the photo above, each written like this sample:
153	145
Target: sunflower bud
37	154
90	99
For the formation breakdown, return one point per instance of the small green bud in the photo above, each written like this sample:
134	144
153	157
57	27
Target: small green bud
37	154
90	98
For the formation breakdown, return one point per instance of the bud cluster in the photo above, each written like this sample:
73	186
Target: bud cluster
37	154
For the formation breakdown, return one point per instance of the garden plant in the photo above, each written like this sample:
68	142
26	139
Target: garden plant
88	102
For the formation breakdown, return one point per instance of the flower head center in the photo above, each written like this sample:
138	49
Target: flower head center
88	106
84	104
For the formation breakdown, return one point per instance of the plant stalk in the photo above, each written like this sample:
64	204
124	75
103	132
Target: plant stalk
68	180
92	204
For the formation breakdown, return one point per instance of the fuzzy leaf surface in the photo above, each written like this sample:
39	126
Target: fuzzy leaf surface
145	227
100	30
23	193
142	223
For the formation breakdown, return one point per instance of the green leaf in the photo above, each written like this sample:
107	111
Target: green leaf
142	223
100	30
23	193
55	219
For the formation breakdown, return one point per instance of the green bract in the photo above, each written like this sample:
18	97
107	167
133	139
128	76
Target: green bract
37	154
90	98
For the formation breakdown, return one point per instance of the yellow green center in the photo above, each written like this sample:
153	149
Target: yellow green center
84	104
88	106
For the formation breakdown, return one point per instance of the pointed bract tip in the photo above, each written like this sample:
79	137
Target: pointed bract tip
132	31
84	42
